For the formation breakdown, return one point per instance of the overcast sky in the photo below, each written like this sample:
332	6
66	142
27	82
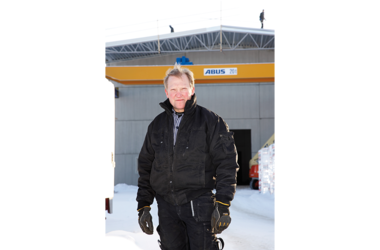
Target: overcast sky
127	19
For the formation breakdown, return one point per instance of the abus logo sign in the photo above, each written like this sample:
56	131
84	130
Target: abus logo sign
215	72
220	71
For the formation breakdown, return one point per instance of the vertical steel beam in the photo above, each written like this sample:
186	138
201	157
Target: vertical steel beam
189	41
216	37
212	39
221	49
138	45
224	34
169	45
178	46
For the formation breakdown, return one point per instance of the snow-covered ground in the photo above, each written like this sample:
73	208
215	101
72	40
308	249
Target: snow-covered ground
252	225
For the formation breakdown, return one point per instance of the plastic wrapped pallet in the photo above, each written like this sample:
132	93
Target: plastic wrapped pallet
266	162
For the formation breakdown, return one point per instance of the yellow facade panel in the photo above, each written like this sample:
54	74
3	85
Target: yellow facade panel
263	72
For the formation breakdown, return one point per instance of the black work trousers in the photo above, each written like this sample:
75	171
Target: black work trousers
187	226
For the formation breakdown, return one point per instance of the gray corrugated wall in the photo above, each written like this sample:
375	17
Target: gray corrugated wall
225	57
242	106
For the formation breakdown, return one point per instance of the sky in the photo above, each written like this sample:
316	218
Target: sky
151	18
252	221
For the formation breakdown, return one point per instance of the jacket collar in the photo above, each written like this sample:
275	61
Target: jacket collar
189	107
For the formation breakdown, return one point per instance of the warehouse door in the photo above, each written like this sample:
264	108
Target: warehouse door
243	147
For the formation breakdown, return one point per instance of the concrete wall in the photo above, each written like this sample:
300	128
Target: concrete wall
225	57
242	106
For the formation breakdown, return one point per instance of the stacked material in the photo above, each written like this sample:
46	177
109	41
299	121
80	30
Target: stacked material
266	169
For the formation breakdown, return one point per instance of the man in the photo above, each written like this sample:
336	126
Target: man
171	29
262	19
188	151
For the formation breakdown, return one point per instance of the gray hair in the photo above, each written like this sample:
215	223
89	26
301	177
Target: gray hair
178	71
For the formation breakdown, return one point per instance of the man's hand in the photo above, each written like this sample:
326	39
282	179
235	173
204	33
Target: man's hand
220	218
145	220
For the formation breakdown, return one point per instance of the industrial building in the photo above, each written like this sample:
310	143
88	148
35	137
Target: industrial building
234	77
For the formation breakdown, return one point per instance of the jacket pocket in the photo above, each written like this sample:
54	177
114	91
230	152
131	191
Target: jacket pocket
228	143
160	147
203	206
189	177
198	141
158	178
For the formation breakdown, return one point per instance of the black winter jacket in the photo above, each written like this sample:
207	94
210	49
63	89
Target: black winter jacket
203	158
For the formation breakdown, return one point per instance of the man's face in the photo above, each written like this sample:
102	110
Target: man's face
179	92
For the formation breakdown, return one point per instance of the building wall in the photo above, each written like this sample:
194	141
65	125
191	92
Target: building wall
242	106
225	57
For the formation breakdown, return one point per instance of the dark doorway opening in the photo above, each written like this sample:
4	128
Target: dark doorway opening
243	146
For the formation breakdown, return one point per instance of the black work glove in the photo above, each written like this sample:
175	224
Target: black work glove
220	218
145	220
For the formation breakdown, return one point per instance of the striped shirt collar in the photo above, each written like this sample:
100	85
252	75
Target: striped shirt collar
177	120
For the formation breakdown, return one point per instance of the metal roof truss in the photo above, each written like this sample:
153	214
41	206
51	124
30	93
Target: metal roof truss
192	43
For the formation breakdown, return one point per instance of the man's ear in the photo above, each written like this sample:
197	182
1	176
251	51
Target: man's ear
166	92
193	91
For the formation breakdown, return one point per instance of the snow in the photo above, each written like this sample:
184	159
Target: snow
252	225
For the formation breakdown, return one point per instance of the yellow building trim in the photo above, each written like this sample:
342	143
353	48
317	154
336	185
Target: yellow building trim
263	72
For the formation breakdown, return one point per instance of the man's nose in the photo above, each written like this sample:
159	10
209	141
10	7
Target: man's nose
178	94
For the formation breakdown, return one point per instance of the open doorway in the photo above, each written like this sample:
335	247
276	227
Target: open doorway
243	146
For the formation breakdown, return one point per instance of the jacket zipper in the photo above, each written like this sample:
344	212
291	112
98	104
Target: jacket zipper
172	141
172	159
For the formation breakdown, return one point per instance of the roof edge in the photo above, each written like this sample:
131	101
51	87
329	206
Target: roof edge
191	32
